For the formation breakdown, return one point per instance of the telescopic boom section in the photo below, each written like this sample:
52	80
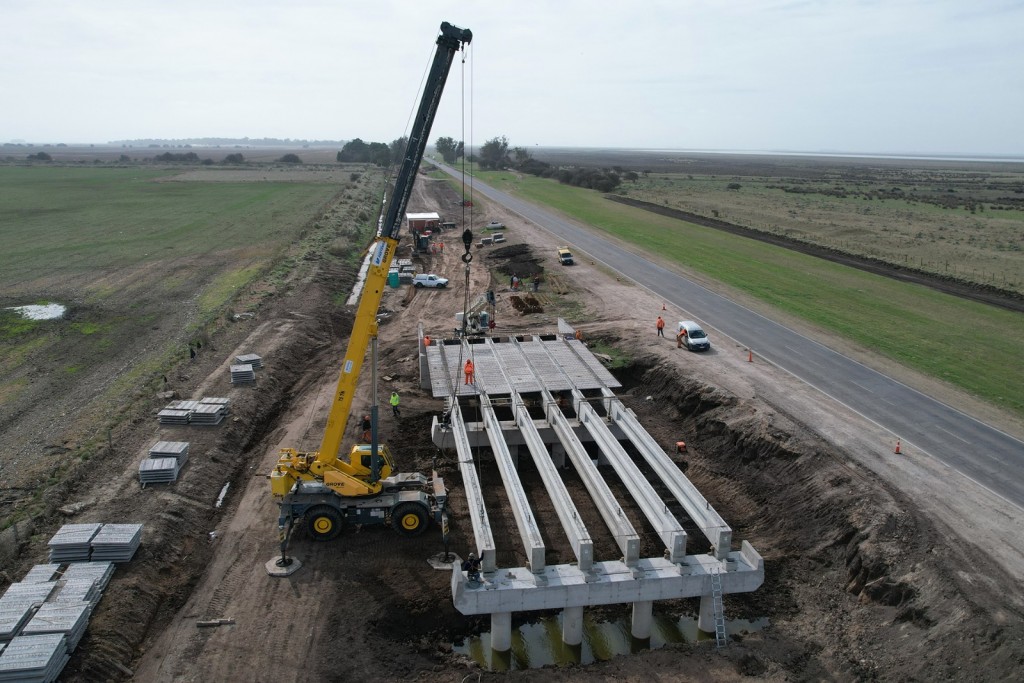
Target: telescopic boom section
364	328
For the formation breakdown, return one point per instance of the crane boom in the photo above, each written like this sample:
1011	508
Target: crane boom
356	477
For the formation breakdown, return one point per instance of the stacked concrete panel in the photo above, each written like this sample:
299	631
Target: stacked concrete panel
250	359
158	470
14	614
168	416
69	619
99	571
207	414
71	542
224	403
77	590
41	573
182	405
242	374
116	542
34	659
170	449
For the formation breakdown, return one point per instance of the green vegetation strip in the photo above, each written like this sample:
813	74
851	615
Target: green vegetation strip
972	346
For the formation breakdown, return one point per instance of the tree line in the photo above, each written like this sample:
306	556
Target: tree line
497	154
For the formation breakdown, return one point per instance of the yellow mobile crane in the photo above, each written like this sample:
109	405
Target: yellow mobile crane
329	491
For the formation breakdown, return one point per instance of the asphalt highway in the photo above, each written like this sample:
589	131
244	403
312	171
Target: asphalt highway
981	452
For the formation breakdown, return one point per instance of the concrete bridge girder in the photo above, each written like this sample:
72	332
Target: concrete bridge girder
568	515
707	519
529	533
664	522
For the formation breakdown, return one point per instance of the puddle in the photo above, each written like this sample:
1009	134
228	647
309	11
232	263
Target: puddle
540	643
40	311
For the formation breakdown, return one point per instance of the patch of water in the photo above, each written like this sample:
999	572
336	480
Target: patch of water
540	643
40	311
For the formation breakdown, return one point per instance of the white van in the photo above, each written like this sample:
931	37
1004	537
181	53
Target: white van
429	280
695	338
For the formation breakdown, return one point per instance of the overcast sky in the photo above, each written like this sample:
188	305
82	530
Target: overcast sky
863	76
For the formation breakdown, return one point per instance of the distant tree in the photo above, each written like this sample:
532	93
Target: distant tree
124	158
631	176
380	154
208	162
521	155
290	159
449	149
494	154
354	177
398	148
235	158
354	151
733	186
40	156
183	157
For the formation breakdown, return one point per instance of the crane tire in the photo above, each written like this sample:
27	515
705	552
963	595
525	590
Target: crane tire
324	523
409	519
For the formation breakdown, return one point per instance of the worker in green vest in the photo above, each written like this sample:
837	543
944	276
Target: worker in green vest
394	404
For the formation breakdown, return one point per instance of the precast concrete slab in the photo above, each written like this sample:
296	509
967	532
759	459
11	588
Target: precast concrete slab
499	365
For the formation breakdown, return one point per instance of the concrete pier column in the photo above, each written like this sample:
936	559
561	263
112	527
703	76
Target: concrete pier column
642	619
572	625
706	620
501	631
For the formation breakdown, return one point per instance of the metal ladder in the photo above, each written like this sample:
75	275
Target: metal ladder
716	602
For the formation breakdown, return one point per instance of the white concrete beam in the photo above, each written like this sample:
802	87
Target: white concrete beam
474	494
529	533
621	528
560	586
568	515
697	506
664	522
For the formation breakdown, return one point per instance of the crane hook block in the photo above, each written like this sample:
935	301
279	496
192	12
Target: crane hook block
467	239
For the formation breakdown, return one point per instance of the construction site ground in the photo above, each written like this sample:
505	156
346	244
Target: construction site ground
878	566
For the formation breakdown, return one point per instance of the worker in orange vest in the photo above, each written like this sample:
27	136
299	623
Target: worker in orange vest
469	371
661	327
426	340
579	335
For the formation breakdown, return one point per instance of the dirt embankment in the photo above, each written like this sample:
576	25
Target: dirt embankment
966	290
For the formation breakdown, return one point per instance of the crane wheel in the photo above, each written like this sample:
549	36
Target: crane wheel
409	519
324	523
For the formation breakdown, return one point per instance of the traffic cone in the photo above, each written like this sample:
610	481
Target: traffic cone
750	356
897	451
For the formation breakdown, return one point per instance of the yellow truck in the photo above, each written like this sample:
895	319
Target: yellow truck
565	256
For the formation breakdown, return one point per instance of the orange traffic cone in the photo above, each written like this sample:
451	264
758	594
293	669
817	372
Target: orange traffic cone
897	451
750	356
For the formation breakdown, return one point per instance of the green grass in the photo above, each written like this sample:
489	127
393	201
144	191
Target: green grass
76	220
975	347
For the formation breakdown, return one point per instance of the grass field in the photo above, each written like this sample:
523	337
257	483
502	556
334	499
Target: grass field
972	346
147	263
79	223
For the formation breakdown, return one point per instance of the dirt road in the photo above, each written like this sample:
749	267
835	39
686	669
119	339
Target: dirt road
878	566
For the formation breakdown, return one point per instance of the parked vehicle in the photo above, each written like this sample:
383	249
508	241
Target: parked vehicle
495	225
696	339
429	280
565	256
